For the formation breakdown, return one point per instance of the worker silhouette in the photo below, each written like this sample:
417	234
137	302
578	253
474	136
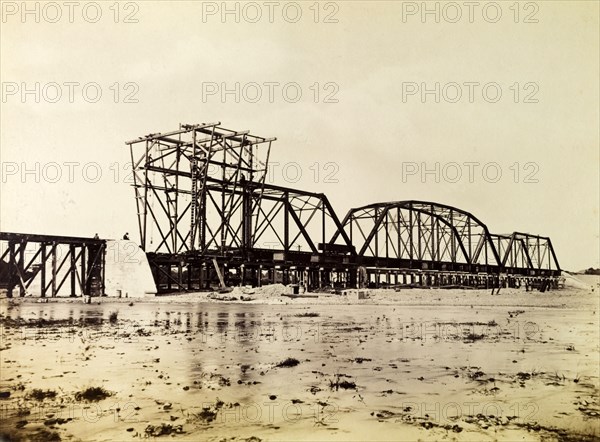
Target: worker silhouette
126	236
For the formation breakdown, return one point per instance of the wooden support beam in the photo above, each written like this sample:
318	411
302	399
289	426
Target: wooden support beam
43	269
84	291
218	270
73	269
54	273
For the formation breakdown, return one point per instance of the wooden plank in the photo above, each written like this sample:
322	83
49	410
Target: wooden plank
221	280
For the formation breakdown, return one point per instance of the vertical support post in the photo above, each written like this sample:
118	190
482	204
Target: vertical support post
433	236
21	268
419	233
470	257
43	270
169	276
224	180
286	223
320	278
376	232
259	276
84	291
323	221
387	233
11	269
452	240
176	208
247	241
146	204
103	282
180	274
189	276
410	235
399	233
194	196
72	269
54	275
202	218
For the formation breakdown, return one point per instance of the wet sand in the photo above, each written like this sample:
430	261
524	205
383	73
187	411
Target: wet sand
415	364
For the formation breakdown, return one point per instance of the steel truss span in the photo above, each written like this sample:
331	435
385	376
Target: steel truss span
435	236
29	260
206	215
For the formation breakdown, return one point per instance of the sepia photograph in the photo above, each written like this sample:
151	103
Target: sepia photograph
252	221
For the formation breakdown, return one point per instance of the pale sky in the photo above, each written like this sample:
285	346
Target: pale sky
373	59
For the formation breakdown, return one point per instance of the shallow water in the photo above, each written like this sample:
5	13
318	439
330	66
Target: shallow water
411	371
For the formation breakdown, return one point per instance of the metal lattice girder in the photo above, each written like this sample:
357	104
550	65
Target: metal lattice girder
189	186
420	230
201	191
293	219
51	260
215	178
523	250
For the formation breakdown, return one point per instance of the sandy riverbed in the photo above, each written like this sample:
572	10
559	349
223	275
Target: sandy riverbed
408	365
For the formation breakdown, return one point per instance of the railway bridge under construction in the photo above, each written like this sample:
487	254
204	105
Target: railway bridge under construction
207	216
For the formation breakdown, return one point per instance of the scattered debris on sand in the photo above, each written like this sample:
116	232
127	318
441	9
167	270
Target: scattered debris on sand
163	430
92	394
193	347
288	362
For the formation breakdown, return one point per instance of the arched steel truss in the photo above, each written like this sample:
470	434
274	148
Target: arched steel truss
433	236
